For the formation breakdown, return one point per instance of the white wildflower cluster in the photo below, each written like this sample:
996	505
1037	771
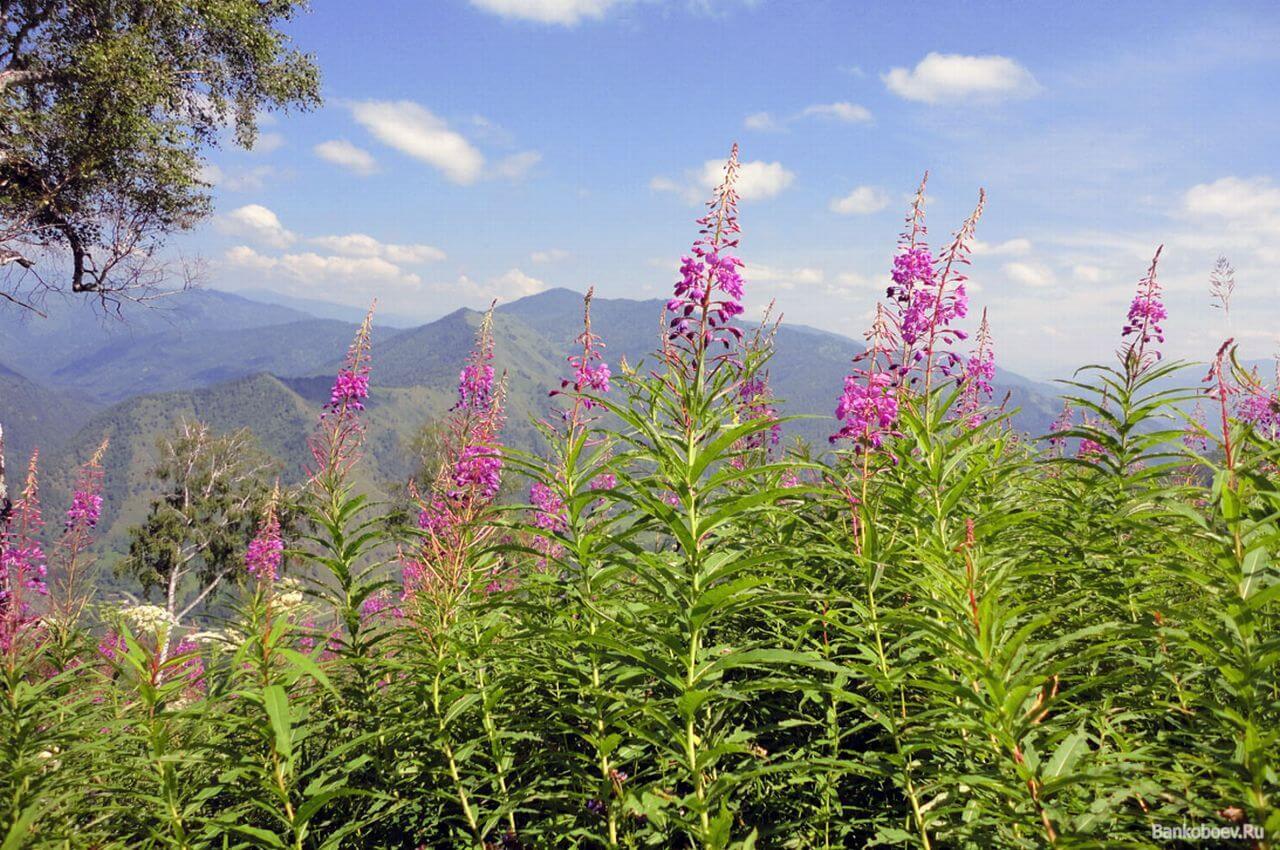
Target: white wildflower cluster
151	619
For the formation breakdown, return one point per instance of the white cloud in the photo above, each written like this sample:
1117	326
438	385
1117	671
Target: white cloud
310	272
341	152
863	200
267	142
236	179
553	255
563	12
517	165
509	286
1250	200
761	121
363	245
943	77
258	223
1087	273
412	129
786	277
850	113
1036	275
756	181
1011	248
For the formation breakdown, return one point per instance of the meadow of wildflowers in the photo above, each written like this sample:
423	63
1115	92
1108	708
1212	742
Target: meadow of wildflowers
937	632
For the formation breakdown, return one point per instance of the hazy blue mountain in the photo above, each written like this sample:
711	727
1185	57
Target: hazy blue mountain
234	363
36	416
77	327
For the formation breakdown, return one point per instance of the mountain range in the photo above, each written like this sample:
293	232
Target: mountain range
233	362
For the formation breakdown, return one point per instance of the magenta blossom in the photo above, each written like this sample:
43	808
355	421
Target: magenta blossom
265	553
549	508
477	471
1146	312
867	410
709	294
976	377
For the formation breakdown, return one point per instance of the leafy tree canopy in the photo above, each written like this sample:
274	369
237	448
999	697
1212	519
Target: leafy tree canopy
105	106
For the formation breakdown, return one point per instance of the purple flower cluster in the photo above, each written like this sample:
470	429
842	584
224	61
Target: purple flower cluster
976	377
475	384
590	372
477	471
350	389
1064	422
265	553
22	566
549	509
1261	409
85	510
709	293
867	410
912	281
1146	312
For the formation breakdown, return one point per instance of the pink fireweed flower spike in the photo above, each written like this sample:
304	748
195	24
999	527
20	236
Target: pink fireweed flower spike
590	373
1061	424
948	300
475	381
22	561
976	377
335	446
708	295
265	553
1260	406
1146	312
868	407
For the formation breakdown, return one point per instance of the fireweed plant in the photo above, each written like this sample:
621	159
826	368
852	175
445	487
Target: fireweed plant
936	633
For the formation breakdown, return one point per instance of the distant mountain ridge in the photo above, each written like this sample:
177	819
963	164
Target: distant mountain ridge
233	362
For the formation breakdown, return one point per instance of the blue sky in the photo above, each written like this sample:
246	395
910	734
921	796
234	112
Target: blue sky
471	149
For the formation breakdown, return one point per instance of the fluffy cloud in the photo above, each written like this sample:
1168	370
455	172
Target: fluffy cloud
563	12
1086	273
1036	275
309	271
258	223
363	245
1252	201
943	77
756	181
863	200
414	130
850	113
237	179
341	152
553	255
761	121
267	142
509	286
1011	248
517	165
787	278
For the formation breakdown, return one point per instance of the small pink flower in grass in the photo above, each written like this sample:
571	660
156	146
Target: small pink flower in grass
112	646
265	553
1146	312
1090	449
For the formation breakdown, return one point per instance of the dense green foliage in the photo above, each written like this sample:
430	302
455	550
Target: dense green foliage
947	635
